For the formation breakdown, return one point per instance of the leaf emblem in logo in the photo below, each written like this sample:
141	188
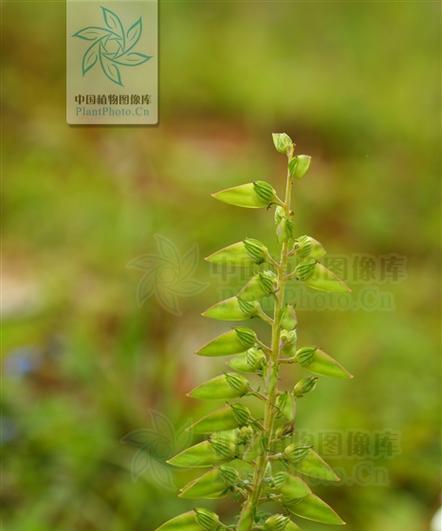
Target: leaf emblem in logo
112	46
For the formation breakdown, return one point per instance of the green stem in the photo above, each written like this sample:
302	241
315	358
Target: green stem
249	507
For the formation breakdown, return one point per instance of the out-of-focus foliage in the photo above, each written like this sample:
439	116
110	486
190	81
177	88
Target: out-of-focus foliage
94	384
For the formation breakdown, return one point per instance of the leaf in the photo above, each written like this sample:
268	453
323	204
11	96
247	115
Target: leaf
91	33
110	69
113	22
132	59
133	34
90	58
313	508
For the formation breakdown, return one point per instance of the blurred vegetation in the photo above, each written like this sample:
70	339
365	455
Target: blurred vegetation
357	85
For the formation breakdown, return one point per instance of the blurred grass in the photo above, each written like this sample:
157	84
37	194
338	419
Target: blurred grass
357	85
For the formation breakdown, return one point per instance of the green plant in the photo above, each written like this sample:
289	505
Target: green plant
255	458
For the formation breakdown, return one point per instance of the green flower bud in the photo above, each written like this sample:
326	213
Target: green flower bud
312	465
318	362
232	342
230	475
298	166
259	194
183	522
318	277
291	526
228	385
294	453
246	252
283	143
276	522
290	487
210	485
253	361
284	225
313	508
260	285
207	519
257	251
285	408
205	454
288	318
241	414
232	309
288	342
308	247
305	385
225	418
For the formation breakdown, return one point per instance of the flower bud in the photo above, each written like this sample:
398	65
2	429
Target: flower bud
207	519
311	464
229	474
230	385
253	361
294	454
232	342
259	194
276	522
205	454
318	277
283	143
288	318
288	342
305	385
290	487
284	225
318	362
285	408
308	247
299	165
232	309
246	252
313	508
210	485
225	418
260	285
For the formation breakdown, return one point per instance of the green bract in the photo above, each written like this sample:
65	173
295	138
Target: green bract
247	252
250	450
259	194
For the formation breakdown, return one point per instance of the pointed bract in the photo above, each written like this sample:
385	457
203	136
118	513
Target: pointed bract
315	360
313	508
232	309
229	385
259	194
233	342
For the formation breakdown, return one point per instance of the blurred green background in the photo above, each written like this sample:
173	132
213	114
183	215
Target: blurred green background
94	384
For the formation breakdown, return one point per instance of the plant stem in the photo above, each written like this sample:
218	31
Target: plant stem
272	374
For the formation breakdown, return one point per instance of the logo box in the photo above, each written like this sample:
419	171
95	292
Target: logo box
112	62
